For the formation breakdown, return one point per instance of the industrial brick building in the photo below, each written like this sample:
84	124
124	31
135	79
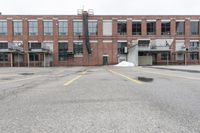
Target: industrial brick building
88	39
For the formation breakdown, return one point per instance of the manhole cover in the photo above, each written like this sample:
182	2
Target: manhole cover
145	79
26	73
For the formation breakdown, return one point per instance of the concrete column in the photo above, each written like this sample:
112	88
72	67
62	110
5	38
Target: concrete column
11	60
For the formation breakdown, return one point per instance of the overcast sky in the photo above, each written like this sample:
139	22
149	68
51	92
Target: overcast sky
102	7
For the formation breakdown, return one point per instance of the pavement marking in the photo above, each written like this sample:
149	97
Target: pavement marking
129	78
76	78
169	75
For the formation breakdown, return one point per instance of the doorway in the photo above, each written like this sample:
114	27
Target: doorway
105	60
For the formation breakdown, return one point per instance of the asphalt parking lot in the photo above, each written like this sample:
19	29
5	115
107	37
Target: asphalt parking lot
99	100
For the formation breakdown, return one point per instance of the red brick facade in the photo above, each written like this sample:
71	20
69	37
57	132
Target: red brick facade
98	43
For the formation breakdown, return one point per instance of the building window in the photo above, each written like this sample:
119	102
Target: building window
62	53
3	45
143	43
63	27
34	57
165	56
151	28
3	28
78	28
180	28
107	28
92	28
17	28
122	28
121	47
78	48
194	45
48	28
3	57
194	28
194	56
136	28
35	45
33	28
165	28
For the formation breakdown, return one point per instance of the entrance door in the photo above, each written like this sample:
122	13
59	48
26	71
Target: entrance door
105	60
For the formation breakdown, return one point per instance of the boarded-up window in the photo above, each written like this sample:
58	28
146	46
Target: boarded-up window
107	28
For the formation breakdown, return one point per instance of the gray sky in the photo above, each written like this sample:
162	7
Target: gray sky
102	7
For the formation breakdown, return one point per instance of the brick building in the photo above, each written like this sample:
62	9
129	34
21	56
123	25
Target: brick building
88	39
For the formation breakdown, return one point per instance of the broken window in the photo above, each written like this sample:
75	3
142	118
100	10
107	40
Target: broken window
48	28
151	28
3	28
165	28
180	28
194	27
17	28
62	51
136	28
121	47
122	28
78	48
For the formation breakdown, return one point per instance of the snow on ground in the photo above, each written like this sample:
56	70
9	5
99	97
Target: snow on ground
125	64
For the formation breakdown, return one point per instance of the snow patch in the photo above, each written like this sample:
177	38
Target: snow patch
125	64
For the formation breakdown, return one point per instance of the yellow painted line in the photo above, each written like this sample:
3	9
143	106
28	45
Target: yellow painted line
74	79
169	75
122	75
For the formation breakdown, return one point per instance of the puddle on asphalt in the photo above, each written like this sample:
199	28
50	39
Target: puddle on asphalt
26	74
145	79
6	79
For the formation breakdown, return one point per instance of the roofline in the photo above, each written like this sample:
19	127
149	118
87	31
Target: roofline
123	15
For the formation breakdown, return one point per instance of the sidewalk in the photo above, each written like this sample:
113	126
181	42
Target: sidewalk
187	68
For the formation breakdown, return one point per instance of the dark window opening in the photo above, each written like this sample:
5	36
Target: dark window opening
194	56
33	57
143	43
165	28
35	45
151	28
3	57
3	45
136	28
78	48
122	28
62	51
165	56
121	47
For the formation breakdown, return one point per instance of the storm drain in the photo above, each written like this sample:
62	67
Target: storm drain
145	79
